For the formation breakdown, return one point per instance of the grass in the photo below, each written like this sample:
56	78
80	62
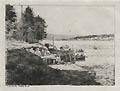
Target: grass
25	68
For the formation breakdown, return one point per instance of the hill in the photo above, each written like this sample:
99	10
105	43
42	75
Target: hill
96	37
25	68
77	37
58	37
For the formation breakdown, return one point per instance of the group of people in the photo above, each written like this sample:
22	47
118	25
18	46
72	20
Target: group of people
45	55
65	54
38	51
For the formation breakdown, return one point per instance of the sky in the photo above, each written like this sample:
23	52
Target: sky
75	20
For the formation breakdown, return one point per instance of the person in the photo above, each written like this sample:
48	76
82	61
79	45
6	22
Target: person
37	52
31	50
81	50
61	48
58	60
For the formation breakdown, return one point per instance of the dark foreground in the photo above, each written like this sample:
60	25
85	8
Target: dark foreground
24	68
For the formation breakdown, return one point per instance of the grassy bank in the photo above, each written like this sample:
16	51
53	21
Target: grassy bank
24	68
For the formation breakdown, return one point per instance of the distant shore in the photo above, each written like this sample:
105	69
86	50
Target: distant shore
102	37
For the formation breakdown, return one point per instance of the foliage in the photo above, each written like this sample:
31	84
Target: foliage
33	27
28	16
39	27
10	13
30	28
10	18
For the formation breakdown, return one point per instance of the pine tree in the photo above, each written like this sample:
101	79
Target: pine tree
10	18
29	16
28	23
39	27
31	29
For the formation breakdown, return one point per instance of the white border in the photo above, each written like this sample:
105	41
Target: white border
116	3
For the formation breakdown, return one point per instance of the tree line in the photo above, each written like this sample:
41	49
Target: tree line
30	28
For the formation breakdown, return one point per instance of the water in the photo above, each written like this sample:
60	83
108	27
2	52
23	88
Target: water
100	58
103	54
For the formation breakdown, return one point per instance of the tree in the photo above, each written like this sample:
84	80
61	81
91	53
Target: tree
39	27
34	27
31	29
28	17
27	24
10	18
